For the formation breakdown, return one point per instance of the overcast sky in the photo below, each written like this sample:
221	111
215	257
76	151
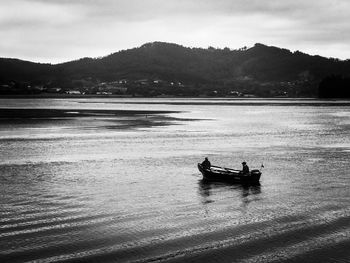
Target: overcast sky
61	30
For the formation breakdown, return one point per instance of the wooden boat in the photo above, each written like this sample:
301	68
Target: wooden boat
216	173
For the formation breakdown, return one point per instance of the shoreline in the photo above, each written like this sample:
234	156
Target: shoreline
209	101
57	95
93	96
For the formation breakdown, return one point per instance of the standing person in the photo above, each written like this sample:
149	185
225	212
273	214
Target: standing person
206	163
245	169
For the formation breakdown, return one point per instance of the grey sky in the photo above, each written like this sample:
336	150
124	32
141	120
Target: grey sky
61	30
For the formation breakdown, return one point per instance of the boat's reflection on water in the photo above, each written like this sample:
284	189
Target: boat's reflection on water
239	194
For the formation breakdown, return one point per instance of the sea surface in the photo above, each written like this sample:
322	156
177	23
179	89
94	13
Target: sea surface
116	180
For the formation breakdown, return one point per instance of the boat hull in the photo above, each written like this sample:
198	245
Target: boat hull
215	173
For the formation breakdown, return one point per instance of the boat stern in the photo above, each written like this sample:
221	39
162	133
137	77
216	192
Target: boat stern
255	175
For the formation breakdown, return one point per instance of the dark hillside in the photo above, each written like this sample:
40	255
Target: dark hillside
15	69
261	69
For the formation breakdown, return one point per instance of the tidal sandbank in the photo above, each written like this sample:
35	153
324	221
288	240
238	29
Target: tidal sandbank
111	119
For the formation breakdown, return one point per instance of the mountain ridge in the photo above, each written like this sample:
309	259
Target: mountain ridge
171	62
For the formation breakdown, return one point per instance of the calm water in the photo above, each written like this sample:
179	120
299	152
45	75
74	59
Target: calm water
126	188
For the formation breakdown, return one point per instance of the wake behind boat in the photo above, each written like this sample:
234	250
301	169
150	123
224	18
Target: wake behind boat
217	173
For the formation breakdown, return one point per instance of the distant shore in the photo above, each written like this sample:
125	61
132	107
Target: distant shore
69	96
63	96
237	101
86	96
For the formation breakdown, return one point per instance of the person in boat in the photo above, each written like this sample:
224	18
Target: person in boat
206	163
245	169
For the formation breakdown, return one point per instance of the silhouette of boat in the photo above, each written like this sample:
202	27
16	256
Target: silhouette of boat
216	173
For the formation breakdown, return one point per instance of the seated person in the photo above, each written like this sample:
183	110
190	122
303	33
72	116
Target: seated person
245	169
206	163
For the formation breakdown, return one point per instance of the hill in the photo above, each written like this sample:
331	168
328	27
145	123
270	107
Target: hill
163	67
